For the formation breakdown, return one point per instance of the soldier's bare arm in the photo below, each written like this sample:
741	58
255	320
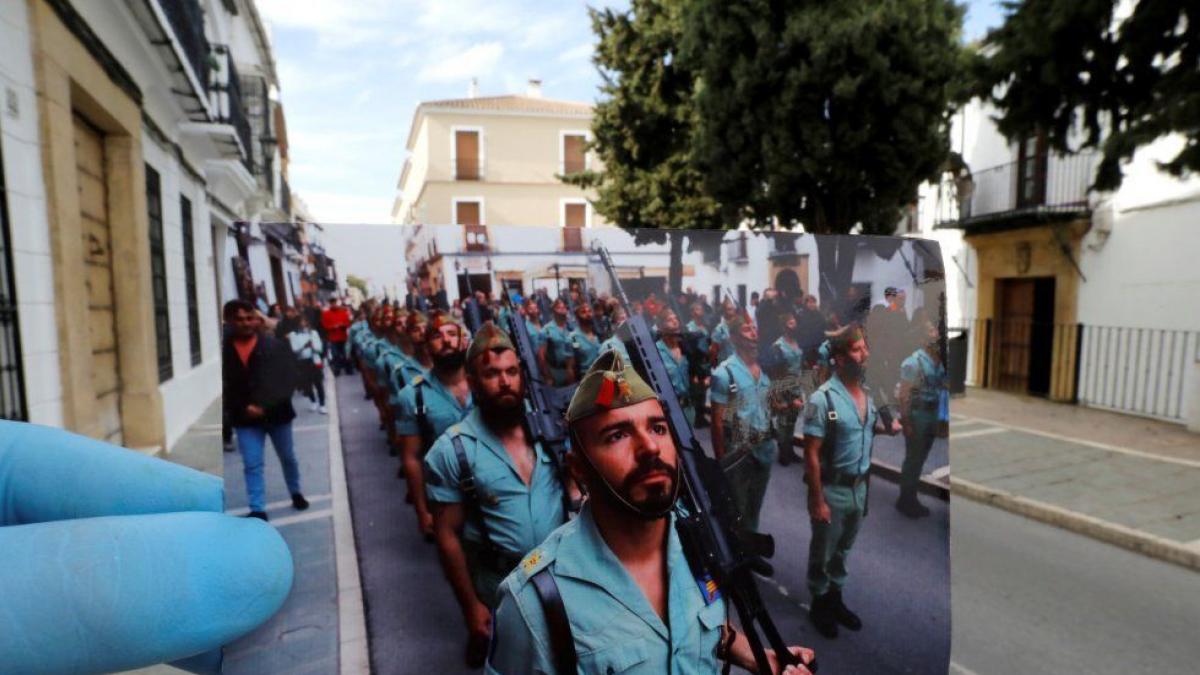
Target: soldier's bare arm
414	475
817	508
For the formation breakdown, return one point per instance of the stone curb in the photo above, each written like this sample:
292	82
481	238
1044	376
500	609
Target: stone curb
891	472
1110	533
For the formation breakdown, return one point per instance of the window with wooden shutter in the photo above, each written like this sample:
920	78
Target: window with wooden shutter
467	213
574	220
466	155
574	157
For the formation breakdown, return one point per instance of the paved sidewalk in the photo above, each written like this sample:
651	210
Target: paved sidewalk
1127	481
320	628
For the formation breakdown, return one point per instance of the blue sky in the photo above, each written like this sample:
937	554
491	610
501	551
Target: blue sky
353	71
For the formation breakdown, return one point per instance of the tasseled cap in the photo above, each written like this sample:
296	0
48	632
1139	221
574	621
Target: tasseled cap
607	385
489	338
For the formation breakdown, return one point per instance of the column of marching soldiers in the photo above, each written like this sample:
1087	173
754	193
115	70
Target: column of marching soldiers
448	390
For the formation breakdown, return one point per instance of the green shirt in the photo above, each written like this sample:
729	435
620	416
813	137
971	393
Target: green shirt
517	517
852	452
613	625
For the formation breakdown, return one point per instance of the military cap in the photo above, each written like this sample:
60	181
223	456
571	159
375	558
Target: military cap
438	318
414	320
840	341
489	338
608	384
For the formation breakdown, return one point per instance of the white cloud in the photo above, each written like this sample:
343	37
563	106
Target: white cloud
583	51
340	207
478	61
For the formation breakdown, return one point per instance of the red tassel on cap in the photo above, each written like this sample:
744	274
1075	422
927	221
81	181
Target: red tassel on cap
604	397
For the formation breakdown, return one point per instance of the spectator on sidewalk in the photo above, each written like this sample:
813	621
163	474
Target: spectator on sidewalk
335	321
258	374
309	352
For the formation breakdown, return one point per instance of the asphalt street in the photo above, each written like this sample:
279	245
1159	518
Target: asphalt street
899	571
1034	599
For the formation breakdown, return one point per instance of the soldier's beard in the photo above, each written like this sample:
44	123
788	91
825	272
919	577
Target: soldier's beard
449	361
499	413
655	506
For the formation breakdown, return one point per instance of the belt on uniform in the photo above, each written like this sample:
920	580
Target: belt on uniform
496	560
842	479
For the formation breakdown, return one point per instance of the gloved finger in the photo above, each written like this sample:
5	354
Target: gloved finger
49	474
116	593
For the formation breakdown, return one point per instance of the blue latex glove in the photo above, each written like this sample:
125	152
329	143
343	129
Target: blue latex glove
112	560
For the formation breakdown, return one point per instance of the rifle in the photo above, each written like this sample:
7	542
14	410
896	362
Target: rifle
713	539
473	317
548	405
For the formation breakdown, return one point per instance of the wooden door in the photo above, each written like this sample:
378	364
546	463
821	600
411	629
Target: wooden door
1012	334
97	263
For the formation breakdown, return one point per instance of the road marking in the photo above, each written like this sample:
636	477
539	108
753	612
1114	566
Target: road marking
1094	444
243	510
976	432
959	668
353	656
302	517
939	473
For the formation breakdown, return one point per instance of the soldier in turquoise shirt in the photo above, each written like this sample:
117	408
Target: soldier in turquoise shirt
585	344
789	381
721	347
837	456
494	493
743	436
556	346
665	622
533	323
922	392
696	343
670	348
431	404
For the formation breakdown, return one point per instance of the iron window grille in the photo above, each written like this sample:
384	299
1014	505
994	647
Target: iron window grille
189	268
158	275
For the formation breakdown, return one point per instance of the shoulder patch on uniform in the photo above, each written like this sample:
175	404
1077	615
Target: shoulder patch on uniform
810	411
531	560
454	428
418	379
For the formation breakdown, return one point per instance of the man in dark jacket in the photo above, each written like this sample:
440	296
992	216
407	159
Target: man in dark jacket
259	375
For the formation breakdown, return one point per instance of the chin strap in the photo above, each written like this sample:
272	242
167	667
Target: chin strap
640	513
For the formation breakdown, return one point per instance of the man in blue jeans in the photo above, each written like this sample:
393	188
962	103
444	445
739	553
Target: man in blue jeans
259	376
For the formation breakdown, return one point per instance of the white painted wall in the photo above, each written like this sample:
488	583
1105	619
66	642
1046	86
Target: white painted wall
191	388
28	225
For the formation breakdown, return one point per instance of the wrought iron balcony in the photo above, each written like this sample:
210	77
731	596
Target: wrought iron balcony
187	22
1037	188
225	92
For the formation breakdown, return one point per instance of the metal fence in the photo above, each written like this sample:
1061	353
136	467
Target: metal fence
1136	370
1140	371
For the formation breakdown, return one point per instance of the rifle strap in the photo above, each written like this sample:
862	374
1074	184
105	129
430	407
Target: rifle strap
562	643
470	491
424	428
829	442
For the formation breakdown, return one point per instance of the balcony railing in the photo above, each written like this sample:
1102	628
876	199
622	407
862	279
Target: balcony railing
187	22
1045	185
227	97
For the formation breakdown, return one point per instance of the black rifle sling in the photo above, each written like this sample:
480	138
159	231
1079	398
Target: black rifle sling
466	483
829	443
424	428
562	643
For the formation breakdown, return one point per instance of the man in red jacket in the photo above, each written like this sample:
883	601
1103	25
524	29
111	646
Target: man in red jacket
335	321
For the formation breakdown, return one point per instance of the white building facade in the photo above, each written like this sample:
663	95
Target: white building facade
1069	293
128	156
